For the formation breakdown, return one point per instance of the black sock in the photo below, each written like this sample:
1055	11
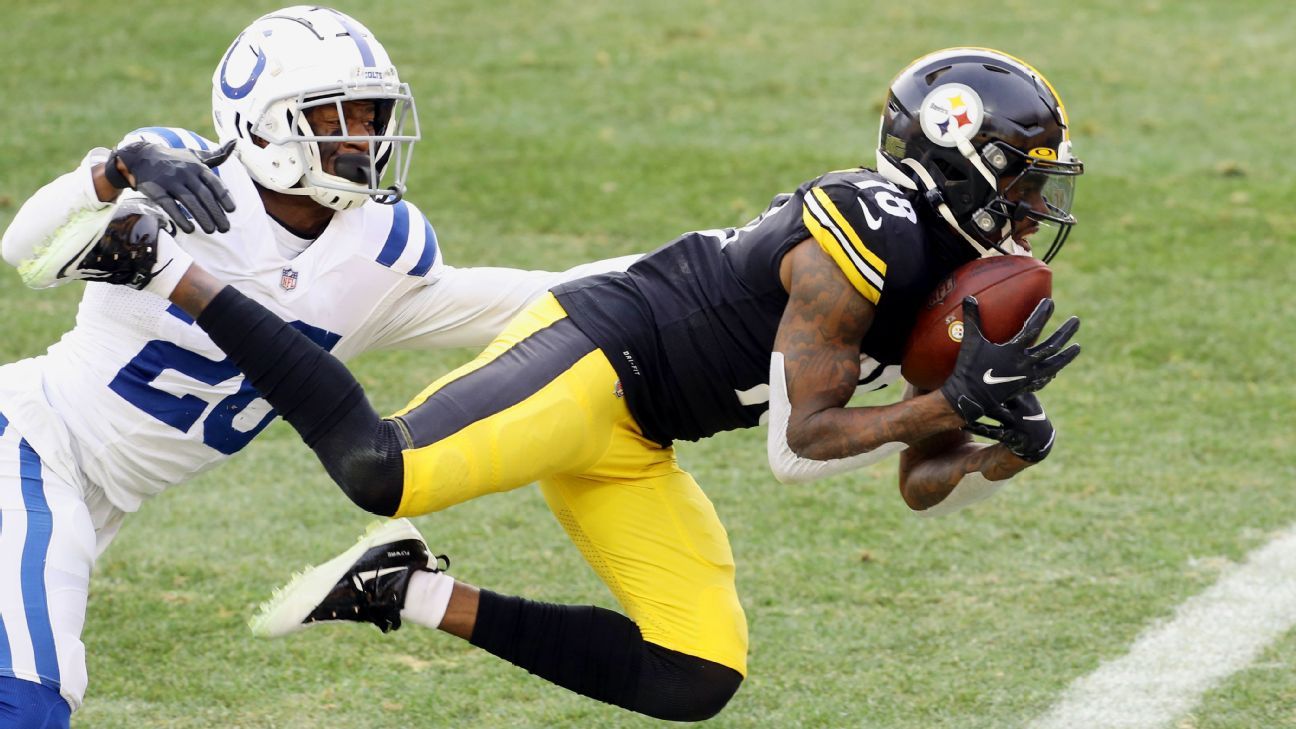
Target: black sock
601	654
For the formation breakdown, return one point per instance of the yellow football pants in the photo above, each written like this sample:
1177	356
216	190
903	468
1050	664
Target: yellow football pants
542	403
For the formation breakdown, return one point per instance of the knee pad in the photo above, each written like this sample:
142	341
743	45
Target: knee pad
680	687
369	470
30	705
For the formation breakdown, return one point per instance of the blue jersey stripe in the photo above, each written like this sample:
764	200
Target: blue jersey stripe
398	238
4	423
202	144
40	526
428	256
169	135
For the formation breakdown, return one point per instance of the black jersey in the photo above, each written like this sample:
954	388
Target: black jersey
690	327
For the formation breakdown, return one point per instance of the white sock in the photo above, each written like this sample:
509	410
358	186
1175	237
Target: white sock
427	598
172	262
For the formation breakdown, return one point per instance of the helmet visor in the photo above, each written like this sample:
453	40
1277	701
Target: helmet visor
1037	204
1043	194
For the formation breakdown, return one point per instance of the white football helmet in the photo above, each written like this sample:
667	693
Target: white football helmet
290	61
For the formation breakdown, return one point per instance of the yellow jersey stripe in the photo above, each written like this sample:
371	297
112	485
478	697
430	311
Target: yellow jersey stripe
842	242
834	248
845	245
877	263
828	223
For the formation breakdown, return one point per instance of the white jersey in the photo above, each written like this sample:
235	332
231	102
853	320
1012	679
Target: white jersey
136	398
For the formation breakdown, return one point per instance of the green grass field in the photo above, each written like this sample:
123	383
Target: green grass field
560	131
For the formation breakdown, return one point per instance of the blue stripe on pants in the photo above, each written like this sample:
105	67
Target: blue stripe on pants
6	661
40	526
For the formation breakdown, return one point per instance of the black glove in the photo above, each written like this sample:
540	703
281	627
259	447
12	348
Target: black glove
176	177
1025	430
987	374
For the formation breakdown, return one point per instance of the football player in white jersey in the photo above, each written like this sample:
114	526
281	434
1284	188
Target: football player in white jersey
307	216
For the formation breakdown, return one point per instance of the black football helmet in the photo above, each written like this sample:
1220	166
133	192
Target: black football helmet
980	134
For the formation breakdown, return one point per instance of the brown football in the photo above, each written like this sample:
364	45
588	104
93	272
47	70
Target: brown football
1007	287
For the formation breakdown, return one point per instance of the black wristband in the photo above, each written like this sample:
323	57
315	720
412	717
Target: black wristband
114	175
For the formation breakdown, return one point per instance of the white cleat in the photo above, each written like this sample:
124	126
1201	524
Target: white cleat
365	584
118	244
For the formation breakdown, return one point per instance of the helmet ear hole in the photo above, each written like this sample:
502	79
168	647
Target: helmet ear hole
953	174
278	165
995	157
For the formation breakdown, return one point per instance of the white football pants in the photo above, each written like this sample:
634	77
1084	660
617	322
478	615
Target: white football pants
47	551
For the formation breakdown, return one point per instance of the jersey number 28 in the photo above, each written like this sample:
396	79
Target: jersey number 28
220	429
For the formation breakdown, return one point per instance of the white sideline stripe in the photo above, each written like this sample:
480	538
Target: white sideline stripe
1212	635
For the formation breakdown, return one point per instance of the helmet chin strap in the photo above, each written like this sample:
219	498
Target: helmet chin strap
943	210
1005	231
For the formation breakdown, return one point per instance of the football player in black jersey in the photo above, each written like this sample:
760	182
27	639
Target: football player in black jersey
587	390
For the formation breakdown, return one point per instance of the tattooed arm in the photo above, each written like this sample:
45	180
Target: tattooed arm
930	468
819	337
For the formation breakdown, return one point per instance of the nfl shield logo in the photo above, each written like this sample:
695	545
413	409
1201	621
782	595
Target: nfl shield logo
287	279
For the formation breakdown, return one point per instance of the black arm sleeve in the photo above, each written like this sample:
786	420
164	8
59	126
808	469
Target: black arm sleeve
318	397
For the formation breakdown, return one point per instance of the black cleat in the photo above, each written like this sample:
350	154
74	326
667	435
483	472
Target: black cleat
365	584
117	245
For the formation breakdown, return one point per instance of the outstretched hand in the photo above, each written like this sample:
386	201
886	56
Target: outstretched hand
987	375
180	181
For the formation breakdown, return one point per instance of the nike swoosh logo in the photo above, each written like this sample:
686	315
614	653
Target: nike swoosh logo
1034	417
873	223
990	379
363	577
77	258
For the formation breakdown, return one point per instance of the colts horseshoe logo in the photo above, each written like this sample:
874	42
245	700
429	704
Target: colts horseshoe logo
238	92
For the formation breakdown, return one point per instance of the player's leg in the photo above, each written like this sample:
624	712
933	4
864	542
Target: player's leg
47	548
542	403
645	526
527	407
499	422
540	399
658	544
390	577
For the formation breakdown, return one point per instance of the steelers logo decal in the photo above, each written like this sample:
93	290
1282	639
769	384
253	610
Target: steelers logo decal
955	330
950	113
